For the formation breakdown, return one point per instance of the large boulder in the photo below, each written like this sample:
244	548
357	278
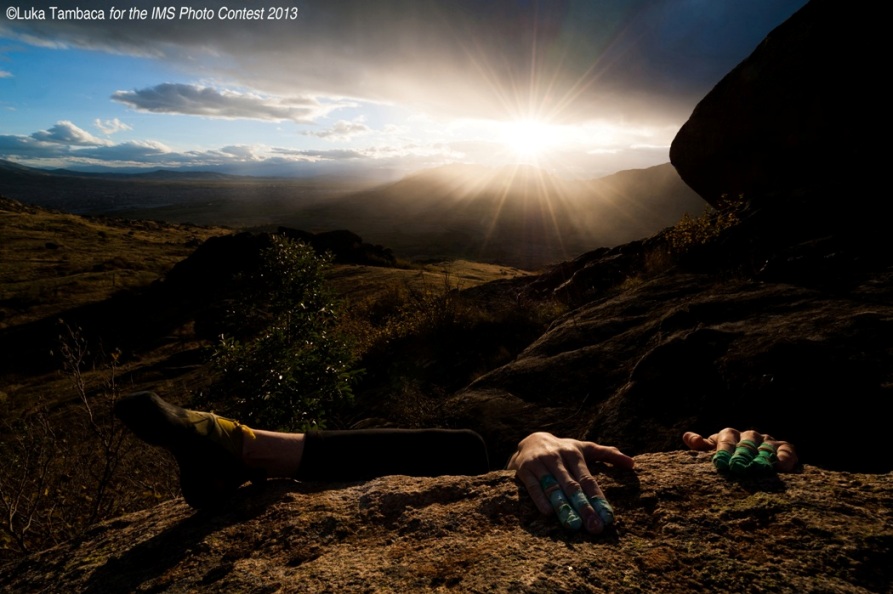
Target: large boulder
796	116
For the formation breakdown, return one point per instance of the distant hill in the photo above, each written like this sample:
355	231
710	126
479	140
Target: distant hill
520	216
8	169
200	197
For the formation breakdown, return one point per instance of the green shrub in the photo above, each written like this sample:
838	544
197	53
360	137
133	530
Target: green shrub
296	369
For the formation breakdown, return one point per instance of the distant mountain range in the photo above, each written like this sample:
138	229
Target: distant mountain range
9	170
521	216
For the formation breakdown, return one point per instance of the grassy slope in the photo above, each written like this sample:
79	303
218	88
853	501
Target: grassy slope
51	262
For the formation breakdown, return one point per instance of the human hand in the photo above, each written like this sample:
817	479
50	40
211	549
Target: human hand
745	452
556	474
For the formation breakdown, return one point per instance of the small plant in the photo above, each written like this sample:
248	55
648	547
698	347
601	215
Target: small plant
67	465
690	231
294	369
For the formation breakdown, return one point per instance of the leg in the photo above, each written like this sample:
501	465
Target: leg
362	455
217	455
276	454
208	448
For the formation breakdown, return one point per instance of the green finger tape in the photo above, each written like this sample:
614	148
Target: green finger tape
765	460
743	456
603	509
579	501
566	515
721	459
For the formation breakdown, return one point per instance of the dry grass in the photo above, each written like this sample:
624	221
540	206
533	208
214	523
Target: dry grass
51	261
353	282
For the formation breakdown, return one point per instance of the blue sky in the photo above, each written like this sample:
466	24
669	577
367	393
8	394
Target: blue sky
582	88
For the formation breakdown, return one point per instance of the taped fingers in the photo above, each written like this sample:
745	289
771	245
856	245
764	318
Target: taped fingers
580	503
760	454
766	458
723	456
748	452
534	489
603	509
721	460
725	442
568	517
744	454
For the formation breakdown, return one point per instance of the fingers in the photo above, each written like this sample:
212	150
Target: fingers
787	456
603	515
569	473
598	453
725	442
555	473
531	482
590	500
695	442
748	452
577	506
567	515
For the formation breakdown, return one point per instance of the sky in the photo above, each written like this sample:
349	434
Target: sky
581	88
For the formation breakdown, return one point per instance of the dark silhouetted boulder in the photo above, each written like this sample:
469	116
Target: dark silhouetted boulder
796	116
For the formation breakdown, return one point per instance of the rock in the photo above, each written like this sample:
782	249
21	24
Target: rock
679	351
795	116
680	527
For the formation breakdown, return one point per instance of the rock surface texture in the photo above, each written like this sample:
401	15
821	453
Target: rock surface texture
681	527
640	365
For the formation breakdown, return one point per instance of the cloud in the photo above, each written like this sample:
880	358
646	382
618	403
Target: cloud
64	132
330	155
242	152
342	130
5	74
26	147
569	60
111	126
144	151
65	144
390	160
210	102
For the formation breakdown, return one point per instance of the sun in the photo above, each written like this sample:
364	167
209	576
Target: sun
529	139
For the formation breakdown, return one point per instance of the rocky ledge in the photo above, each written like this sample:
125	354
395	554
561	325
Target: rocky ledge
680	527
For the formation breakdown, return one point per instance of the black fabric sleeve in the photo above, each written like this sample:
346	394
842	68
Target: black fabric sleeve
369	453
